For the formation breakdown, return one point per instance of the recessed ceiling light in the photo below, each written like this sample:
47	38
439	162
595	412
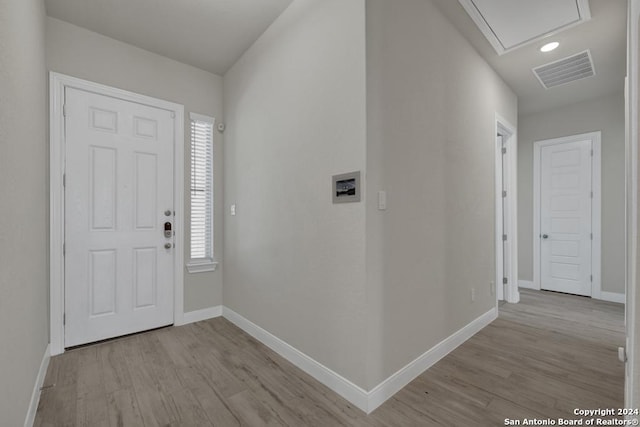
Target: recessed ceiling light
549	47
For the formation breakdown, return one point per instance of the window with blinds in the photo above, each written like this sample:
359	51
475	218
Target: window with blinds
201	258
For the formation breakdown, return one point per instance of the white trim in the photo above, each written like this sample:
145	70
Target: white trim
596	211
499	286
612	297
56	215
200	315
527	284
536	218
201	118
57	84
331	379
631	196
404	376
202	266
35	395
483	26
510	141
367	401
596	216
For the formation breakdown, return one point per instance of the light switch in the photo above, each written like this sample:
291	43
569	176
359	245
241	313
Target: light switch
233	210
382	200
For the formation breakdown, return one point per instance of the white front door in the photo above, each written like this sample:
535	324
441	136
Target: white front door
118	196
565	217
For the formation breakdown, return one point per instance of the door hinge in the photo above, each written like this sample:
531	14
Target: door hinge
64	318
64	179
592	152
504	237
504	150
622	354
64	249
592	194
504	193
505	280
591	278
591	236
64	110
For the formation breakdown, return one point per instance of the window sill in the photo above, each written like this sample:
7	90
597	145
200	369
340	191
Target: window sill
201	266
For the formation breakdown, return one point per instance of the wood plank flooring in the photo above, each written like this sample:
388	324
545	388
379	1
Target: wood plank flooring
541	358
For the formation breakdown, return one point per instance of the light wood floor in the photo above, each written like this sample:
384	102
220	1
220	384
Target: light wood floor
541	358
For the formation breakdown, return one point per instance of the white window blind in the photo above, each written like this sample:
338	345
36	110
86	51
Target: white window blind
201	193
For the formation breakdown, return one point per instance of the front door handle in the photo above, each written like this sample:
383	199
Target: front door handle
545	236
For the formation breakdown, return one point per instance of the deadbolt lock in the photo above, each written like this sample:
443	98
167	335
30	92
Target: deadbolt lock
167	230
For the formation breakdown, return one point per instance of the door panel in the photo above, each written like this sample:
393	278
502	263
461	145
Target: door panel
144	277
565	217
119	183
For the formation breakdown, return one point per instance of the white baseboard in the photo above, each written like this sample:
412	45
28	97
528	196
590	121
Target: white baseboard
613	297
404	376
367	401
326	376
199	315
35	395
527	284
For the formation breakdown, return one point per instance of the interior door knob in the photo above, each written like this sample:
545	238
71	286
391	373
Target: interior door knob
168	245
545	236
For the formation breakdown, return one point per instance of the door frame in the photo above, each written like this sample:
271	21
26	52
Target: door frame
632	108
508	132
57	84
596	206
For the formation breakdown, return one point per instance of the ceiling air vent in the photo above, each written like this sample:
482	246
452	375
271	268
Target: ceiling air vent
565	70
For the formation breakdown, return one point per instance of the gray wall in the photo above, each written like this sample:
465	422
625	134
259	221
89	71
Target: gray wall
80	53
295	110
431	102
24	202
360	290
606	115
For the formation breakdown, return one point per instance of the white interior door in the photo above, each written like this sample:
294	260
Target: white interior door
118	196
565	217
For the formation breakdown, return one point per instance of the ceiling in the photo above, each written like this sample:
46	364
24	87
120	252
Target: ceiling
208	34
604	35
213	34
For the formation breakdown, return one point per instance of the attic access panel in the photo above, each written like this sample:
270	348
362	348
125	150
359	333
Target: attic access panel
510	24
